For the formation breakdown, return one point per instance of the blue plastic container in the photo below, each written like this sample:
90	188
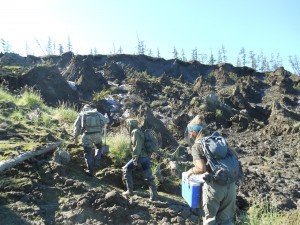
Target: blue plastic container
191	190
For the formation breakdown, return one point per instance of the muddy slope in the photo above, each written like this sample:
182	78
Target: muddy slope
259	113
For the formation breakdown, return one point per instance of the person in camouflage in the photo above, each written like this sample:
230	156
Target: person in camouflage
139	156
91	136
218	201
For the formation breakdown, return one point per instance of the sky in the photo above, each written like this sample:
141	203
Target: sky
261	26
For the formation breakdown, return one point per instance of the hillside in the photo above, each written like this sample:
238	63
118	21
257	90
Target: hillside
259	113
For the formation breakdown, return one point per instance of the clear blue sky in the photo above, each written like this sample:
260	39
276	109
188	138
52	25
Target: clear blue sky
271	26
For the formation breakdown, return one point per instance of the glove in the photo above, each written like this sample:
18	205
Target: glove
105	115
76	140
135	161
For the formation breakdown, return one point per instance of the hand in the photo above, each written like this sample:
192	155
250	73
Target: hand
189	173
76	140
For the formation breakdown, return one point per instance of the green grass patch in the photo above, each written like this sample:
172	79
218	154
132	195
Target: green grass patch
64	113
263	213
5	96
119	147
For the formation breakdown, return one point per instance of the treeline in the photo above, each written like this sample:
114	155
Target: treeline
260	62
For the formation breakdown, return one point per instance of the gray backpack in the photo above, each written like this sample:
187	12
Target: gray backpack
151	143
91	121
224	164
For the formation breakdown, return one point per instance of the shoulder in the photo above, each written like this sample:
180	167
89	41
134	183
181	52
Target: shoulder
197	147
197	150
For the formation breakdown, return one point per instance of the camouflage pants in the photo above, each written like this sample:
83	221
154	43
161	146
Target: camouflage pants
92	155
218	203
89	140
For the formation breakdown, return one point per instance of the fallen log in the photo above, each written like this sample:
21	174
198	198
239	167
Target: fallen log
7	164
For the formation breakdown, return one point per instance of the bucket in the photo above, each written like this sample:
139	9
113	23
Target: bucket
105	149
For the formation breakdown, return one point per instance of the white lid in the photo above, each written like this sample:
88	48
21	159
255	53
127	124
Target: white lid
195	178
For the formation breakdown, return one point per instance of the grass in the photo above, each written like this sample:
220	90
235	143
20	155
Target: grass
28	121
31	99
297	125
64	113
119	147
262	213
6	96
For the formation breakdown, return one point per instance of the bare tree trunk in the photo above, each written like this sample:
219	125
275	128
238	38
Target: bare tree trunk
7	164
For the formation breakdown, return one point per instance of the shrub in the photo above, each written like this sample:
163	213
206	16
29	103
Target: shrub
119	147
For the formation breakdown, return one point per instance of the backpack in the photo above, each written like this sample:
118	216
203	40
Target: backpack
91	121
150	141
224	164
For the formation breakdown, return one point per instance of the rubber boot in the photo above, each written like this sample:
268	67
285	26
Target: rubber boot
89	160
151	183
127	176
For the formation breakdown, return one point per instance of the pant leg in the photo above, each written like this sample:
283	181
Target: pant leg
98	154
88	156
149	178
218	203
88	145
227	208
210	204
127	175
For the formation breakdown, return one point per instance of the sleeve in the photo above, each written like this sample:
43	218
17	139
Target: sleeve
104	119
137	143
77	126
197	152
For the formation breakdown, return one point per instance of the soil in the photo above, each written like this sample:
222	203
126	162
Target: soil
259	113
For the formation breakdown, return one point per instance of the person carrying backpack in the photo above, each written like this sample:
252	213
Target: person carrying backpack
139	157
219	189
90	123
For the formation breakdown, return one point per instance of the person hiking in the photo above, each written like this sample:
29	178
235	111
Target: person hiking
90	123
139	157
218	200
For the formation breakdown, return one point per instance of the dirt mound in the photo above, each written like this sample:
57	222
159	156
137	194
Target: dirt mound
259	113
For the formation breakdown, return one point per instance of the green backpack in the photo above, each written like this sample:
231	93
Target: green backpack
91	121
151	143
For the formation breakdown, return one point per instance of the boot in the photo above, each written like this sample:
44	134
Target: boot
89	161
127	176
128	193
151	183
153	191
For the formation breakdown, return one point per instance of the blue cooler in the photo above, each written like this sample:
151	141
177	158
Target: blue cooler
191	189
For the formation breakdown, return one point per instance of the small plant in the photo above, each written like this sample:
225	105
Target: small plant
102	94
47	63
17	116
219	113
5	96
64	113
31	99
119	147
263	213
47	121
233	76
297	125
